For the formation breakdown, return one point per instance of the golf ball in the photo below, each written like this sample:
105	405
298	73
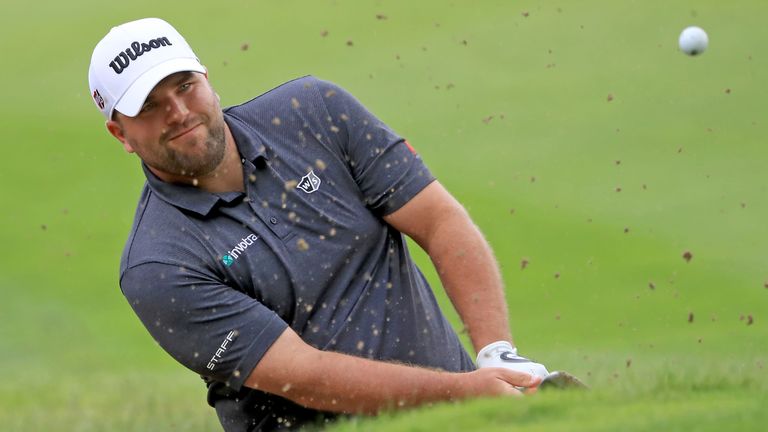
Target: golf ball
693	40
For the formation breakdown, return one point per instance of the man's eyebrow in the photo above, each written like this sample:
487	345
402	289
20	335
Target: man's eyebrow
173	80
183	76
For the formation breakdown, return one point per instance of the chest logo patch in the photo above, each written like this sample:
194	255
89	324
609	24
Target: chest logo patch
309	183
229	258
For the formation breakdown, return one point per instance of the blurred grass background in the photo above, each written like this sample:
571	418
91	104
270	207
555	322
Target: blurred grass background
589	150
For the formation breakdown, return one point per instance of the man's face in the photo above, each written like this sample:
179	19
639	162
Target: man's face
180	130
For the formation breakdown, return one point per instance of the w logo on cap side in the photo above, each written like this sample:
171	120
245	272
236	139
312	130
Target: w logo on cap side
98	99
309	183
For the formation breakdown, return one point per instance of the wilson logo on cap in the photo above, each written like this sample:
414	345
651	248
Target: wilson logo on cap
123	60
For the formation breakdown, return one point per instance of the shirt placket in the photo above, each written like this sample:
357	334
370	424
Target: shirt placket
265	191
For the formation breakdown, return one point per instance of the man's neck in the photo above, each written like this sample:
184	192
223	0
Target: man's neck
228	176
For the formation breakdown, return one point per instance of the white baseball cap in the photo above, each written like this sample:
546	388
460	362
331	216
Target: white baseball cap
131	59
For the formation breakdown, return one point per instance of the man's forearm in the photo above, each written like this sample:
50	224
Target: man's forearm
463	259
337	382
470	275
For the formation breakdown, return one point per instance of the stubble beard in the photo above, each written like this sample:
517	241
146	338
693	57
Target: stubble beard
196	165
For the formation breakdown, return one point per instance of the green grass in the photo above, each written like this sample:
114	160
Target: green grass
512	113
139	400
724	405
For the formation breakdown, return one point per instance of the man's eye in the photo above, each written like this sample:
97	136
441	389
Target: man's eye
185	86
147	107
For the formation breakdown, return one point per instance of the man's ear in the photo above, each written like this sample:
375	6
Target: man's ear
116	130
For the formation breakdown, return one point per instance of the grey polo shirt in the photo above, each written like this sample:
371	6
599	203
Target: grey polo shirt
216	278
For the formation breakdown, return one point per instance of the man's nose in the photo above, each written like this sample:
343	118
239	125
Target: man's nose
176	110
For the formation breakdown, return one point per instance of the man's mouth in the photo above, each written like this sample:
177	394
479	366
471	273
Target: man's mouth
184	132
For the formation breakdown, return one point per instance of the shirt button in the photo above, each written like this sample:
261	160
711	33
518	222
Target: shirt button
242	160
273	220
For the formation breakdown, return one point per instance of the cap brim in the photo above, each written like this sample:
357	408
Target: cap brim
133	98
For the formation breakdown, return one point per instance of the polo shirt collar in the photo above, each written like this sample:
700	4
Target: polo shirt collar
249	144
197	200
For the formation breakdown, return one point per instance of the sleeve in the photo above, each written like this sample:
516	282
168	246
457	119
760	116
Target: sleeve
386	168
212	329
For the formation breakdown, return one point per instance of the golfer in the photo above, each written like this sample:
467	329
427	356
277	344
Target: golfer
268	250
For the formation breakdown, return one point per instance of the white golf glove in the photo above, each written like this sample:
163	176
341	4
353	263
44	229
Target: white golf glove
502	354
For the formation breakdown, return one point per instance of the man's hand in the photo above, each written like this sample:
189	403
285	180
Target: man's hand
503	355
493	381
